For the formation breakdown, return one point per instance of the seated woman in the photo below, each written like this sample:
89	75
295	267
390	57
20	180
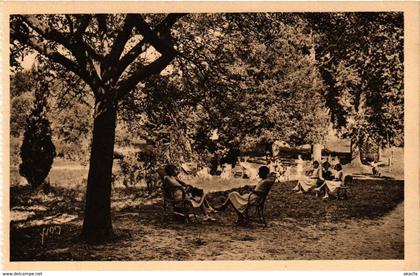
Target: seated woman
327	174
330	186
311	181
196	196
239	202
299	166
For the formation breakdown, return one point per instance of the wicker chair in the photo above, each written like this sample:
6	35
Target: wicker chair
343	192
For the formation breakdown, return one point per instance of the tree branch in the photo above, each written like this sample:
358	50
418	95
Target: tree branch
200	68
161	45
142	73
74	43
130	57
81	30
159	39
84	23
122	38
169	21
45	31
70	23
45	51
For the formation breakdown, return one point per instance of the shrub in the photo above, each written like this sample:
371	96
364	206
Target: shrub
37	151
138	166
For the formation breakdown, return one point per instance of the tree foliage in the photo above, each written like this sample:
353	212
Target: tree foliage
246	76
361	57
70	117
268	83
19	112
21	99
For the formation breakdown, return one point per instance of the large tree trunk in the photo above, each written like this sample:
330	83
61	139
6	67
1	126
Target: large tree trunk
356	159
317	152
97	224
390	158
390	154
379	153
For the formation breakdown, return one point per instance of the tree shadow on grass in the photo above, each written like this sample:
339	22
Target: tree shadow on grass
370	199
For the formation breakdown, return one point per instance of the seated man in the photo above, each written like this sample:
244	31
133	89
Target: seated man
196	196
239	202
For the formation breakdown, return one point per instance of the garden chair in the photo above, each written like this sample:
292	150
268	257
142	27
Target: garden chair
343	191
180	207
259	204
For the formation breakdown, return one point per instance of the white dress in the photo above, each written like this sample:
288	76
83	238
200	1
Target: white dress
240	202
333	185
308	183
299	167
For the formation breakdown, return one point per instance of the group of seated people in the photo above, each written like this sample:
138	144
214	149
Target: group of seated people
198	198
321	179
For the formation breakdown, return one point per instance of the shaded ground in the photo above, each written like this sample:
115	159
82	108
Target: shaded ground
367	226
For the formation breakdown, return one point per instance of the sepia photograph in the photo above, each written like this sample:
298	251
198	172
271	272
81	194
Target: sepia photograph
206	136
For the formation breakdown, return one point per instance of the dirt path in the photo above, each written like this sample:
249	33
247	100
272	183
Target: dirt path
358	239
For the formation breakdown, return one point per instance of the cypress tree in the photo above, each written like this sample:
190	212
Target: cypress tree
37	151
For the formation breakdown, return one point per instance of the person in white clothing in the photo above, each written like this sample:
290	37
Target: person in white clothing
299	166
